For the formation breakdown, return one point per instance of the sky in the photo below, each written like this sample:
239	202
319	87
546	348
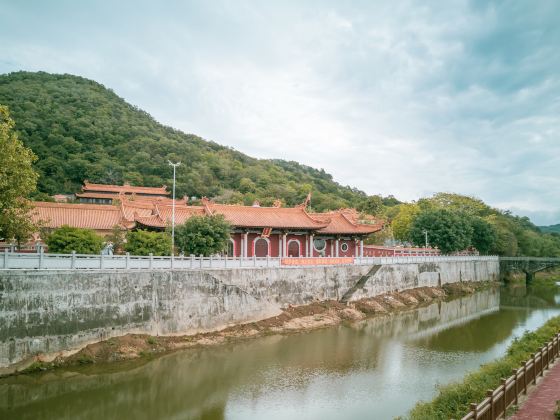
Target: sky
393	97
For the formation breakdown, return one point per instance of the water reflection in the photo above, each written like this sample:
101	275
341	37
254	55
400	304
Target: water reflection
381	366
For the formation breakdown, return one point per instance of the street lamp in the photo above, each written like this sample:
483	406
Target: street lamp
425	232
173	208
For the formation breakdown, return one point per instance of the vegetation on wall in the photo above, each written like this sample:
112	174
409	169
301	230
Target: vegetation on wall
66	239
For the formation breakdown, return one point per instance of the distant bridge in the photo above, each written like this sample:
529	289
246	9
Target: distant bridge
527	265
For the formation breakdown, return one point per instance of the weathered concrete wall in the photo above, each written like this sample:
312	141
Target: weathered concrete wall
53	311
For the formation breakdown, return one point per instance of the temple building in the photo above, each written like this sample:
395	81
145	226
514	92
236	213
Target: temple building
256	230
108	194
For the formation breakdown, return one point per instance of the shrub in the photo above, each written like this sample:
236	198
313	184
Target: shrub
453	400
66	239
204	235
143	242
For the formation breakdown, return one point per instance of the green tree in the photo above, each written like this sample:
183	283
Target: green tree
17	181
204	235
143	242
117	238
447	230
66	239
484	235
402	222
372	205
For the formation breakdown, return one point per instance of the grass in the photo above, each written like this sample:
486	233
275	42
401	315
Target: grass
151	341
557	412
453	400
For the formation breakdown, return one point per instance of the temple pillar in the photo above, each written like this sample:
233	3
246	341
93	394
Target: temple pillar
361	248
336	247
284	245
245	240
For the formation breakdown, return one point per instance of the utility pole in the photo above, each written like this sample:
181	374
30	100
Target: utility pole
426	237
173	209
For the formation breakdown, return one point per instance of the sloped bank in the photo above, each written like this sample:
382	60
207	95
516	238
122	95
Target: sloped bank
51	313
293	319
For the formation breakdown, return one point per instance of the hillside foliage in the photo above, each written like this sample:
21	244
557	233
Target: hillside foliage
454	220
81	130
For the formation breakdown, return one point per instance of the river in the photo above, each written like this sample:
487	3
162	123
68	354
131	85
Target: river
377	368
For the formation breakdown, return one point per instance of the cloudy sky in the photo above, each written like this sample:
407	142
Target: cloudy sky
393	97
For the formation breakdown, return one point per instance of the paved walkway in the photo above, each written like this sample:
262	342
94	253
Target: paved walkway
541	402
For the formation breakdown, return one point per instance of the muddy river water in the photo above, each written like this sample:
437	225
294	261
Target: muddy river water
377	368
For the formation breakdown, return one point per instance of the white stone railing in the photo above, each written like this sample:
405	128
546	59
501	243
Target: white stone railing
44	261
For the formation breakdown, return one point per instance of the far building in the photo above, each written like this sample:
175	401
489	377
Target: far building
108	194
258	231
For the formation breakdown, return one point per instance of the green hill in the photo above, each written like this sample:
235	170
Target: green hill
81	130
550	229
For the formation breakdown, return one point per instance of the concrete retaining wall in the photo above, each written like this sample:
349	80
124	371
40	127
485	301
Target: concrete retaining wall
53	311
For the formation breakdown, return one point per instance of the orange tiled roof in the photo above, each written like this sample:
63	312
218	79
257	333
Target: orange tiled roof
345	221
163	215
112	196
125	189
263	217
92	216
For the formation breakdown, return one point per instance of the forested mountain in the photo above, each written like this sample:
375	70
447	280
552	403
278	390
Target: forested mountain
550	229
81	130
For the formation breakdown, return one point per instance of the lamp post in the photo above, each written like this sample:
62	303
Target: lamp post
425	237
173	209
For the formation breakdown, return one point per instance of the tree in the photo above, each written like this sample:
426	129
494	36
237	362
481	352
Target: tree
143	242
447	230
372	205
117	238
204	235
402	222
483	236
17	181
66	239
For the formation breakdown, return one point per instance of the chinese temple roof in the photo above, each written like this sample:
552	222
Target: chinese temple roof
345	221
91	216
124	189
265	217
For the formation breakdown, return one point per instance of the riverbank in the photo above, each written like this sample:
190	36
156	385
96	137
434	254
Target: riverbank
453	400
293	319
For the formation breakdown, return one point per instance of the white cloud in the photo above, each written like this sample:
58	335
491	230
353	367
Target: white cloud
404	99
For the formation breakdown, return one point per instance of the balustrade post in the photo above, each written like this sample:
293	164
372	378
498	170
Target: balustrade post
192	261
267	260
151	261
127	260
474	409
525	378
504	397
73	260
515	372
254	261
6	258
101	262
225	261
41	259
490	394
534	368
201	260
210	260
542	361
